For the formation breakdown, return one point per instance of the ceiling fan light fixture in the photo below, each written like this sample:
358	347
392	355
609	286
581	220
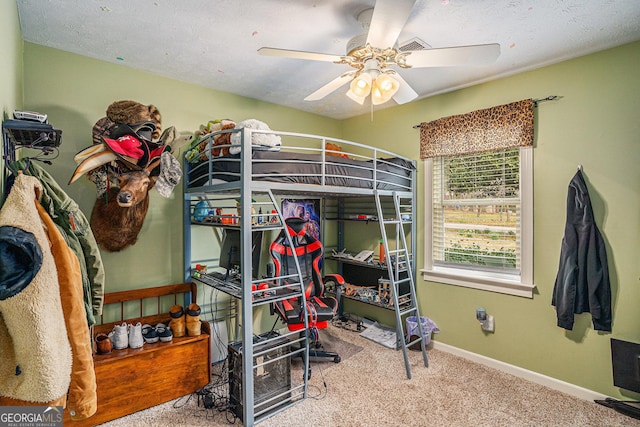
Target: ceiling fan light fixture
361	85
383	89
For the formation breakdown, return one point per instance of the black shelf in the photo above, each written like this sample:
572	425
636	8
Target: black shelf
374	265
367	220
373	303
30	134
354	219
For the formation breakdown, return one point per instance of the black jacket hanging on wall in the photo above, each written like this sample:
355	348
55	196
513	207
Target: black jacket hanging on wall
582	284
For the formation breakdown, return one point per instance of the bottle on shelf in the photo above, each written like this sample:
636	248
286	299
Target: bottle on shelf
381	258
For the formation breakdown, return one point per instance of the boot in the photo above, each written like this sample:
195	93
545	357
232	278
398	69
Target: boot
103	344
176	324
193	320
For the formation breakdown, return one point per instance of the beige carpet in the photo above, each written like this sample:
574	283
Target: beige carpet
370	388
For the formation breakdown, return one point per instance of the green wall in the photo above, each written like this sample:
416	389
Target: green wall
11	64
596	123
10	68
75	91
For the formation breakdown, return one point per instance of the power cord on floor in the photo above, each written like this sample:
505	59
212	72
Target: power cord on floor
320	394
349	322
214	397
181	402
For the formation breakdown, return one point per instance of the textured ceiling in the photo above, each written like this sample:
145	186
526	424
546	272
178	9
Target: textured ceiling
214	43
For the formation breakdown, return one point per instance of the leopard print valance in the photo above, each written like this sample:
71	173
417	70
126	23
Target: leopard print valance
504	126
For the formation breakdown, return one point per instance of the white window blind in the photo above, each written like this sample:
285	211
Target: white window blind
476	211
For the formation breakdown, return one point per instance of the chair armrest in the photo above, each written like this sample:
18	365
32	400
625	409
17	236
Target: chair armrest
335	278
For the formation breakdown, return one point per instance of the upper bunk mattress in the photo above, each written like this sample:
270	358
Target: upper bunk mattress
393	174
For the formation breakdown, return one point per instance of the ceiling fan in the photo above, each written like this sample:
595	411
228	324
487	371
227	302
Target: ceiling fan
374	51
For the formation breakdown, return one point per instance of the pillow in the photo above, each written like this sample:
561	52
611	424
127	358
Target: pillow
268	142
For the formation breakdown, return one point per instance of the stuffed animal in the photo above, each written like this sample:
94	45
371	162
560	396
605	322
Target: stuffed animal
334	150
269	141
198	150
222	138
219	139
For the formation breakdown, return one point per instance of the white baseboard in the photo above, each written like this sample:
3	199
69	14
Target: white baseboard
553	383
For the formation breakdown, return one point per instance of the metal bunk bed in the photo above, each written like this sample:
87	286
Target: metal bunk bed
240	191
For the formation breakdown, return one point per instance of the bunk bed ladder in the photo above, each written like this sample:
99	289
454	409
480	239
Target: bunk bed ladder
399	264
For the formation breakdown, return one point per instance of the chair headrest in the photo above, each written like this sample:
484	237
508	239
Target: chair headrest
297	226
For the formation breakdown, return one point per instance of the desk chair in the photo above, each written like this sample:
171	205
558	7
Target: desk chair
321	309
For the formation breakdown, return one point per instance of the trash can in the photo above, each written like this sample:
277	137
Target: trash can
412	331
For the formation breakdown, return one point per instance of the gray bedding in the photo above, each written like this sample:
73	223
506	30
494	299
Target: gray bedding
391	173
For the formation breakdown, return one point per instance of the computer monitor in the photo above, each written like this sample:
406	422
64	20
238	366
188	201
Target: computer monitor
230	254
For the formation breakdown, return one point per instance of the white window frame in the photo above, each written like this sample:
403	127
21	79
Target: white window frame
513	284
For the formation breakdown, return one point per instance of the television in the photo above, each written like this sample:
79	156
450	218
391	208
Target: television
230	253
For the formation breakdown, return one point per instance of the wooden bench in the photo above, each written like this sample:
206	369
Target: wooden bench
131	380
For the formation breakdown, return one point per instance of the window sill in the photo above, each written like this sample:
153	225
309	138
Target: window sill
475	281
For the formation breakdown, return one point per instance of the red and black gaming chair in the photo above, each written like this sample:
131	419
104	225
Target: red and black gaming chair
321	309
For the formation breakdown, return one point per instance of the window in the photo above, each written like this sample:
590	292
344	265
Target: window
479	220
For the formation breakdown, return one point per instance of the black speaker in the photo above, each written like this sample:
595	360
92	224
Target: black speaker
625	360
270	379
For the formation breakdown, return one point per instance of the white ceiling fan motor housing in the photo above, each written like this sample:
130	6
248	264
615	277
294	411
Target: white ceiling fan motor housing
359	41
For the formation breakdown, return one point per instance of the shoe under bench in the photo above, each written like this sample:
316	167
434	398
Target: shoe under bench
130	380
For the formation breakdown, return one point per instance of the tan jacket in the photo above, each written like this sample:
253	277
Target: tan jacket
82	400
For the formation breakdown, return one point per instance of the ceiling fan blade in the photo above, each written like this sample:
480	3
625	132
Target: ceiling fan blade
331	86
453	56
298	54
387	22
405	93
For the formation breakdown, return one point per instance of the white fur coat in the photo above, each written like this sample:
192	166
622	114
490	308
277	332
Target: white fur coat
35	354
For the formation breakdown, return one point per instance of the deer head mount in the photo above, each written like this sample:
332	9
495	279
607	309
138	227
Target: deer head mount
117	217
123	199
125	165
